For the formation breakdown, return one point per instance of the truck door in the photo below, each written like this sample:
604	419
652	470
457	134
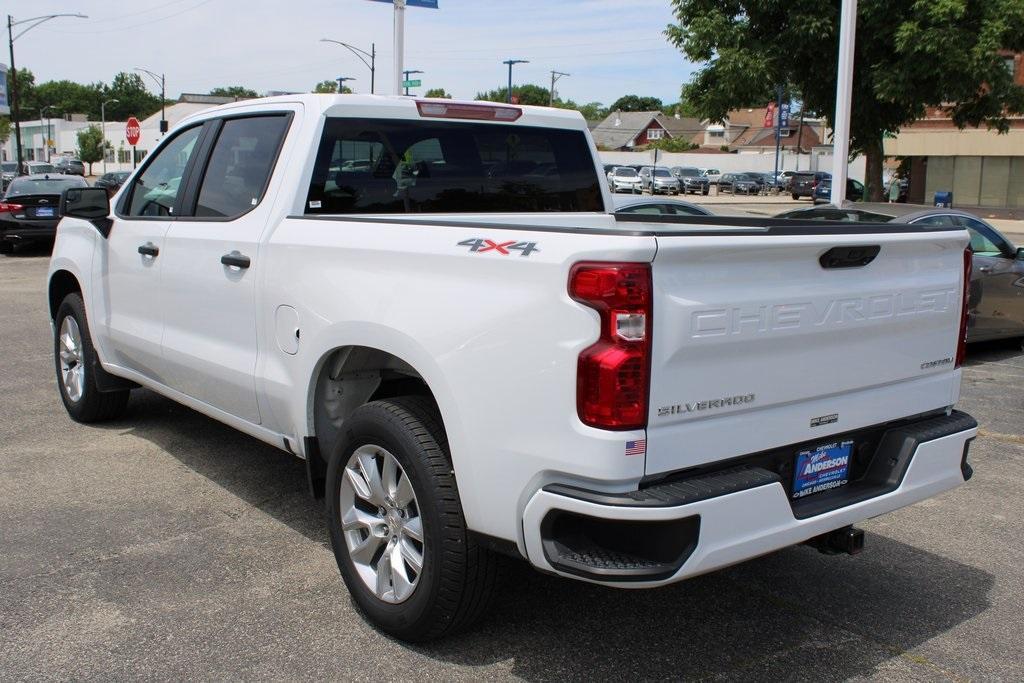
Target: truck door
130	266
210	340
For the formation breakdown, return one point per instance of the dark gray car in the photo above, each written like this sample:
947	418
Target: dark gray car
69	166
997	275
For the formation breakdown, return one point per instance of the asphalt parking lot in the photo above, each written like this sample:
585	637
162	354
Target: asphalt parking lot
165	545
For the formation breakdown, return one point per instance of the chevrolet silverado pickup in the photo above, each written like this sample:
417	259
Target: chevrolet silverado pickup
434	305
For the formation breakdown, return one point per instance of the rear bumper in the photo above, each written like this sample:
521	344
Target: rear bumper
28	230
675	530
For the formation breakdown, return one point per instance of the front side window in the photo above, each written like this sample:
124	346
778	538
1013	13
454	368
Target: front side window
154	192
240	165
374	166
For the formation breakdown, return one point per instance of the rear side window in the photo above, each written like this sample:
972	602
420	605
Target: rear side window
375	166
240	165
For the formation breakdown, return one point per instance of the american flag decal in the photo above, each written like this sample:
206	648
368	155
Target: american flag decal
636	447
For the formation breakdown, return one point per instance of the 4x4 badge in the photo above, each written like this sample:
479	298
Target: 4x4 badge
481	246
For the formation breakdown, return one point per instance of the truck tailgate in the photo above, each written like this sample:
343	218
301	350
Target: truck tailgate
760	341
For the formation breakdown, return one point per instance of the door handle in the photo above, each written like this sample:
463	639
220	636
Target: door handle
149	249
985	269
235	260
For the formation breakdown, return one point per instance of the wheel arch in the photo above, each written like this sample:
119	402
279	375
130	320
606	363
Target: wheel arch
62	282
346	377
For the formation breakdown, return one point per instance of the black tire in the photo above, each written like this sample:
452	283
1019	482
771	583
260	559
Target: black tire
93	405
6	247
458	576
795	196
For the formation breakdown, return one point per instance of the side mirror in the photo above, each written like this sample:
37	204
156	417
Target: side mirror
89	203
1020	253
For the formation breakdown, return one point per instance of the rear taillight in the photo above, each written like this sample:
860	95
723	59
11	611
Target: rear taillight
10	208
613	374
961	342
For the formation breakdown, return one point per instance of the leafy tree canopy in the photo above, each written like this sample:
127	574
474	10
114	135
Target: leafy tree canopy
234	91
909	55
91	145
330	86
528	93
636	103
68	97
439	93
5	129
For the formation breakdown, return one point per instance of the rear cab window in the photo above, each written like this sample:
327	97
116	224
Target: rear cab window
374	166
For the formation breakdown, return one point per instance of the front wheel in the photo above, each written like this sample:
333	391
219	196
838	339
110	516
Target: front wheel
76	363
396	523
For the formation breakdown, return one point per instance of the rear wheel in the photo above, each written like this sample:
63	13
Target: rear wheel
795	196
396	523
76	362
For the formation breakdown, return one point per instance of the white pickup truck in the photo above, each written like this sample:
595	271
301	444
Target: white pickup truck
432	303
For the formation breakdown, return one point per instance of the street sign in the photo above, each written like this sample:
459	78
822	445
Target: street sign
133	131
5	108
412	84
784	115
429	4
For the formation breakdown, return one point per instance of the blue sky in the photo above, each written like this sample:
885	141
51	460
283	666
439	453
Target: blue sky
611	47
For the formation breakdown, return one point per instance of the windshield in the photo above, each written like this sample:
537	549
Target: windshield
8	166
662	173
26	186
41	168
689	172
625	172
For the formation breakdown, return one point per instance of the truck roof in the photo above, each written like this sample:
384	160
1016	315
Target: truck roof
396	106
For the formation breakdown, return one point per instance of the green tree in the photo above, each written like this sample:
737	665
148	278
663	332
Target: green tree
592	111
439	93
672	145
68	97
330	86
90	145
527	94
636	103
132	98
5	129
238	91
26	94
910	55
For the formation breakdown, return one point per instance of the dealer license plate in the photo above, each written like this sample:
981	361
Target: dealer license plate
45	212
822	468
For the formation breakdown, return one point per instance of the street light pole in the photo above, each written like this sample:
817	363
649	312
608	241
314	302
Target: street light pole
15	100
341	82
844	93
555	76
361	54
103	123
510	63
163	100
407	73
46	142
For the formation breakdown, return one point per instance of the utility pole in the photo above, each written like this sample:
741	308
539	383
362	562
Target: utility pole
103	124
341	82
407	73
555	76
399	36
46	142
361	54
511	63
15	99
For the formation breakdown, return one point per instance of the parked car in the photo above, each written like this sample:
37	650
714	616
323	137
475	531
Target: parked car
69	166
624	179
713	175
997	273
740	183
657	207
784	180
30	208
112	181
804	182
823	191
37	168
8	171
659	181
691	180
471	365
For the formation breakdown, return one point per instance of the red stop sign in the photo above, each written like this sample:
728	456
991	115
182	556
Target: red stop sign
133	130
